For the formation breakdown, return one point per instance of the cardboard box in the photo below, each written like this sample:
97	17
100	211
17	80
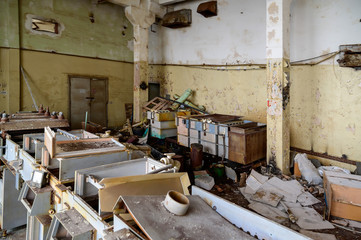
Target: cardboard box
343	193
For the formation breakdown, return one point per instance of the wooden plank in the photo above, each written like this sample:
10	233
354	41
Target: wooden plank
50	141
32	124
89	152
200	222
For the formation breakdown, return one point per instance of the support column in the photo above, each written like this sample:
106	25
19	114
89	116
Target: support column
141	20
278	83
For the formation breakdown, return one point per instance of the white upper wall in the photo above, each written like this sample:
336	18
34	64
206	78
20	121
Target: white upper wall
238	34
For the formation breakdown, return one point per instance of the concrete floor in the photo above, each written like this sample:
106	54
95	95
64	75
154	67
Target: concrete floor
16	234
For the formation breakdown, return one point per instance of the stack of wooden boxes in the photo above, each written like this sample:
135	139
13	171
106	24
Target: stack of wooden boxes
163	123
226	136
209	130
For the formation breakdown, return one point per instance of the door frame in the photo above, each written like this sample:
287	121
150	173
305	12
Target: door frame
70	76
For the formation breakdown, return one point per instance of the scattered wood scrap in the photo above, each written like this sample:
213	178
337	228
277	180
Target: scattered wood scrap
156	104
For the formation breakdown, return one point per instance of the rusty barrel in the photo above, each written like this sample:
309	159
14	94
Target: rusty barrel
196	155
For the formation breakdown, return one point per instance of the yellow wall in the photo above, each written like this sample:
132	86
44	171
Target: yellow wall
325	100
48	76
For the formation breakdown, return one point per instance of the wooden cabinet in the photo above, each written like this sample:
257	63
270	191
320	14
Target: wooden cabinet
247	142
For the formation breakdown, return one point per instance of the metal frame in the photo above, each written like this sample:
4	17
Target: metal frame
12	212
248	221
39	204
90	77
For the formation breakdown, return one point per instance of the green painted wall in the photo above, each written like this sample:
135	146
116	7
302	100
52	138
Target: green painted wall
101	39
109	37
9	27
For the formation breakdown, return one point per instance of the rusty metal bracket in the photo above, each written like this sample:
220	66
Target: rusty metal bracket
178	19
208	9
350	56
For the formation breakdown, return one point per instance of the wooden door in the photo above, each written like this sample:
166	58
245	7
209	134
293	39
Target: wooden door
88	95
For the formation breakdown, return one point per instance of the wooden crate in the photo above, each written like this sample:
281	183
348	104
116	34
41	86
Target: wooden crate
247	143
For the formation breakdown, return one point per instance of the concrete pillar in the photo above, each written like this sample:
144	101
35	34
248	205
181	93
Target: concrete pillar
141	20
278	83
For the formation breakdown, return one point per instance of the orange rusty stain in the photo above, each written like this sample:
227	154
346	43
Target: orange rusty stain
273	8
274	19
271	35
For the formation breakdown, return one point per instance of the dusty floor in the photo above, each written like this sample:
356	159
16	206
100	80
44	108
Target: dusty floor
16	234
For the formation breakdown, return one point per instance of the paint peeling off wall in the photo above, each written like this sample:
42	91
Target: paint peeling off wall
228	92
322	119
235	36
238	34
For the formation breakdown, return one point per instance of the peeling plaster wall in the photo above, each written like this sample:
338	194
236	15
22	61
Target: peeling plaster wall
238	34
322	119
48	78
324	99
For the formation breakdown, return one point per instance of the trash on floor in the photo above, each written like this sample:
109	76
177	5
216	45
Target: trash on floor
307	169
343	193
318	236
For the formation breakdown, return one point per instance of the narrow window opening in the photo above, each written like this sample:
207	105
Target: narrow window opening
45	25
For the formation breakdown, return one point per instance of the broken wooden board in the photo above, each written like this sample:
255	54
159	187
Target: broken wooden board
267	197
269	212
200	221
318	236
290	190
153	184
246	195
309	219
157	103
50	141
254	182
307	199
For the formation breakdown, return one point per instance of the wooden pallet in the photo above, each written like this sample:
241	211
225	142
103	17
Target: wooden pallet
157	103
